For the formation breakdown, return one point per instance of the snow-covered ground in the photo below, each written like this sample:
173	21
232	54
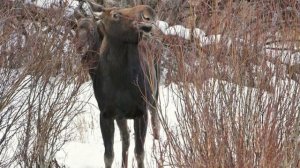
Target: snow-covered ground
87	150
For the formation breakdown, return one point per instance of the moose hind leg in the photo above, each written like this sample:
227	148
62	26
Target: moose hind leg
108	129
122	123
140	129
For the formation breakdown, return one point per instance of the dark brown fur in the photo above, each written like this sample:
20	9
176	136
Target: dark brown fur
125	81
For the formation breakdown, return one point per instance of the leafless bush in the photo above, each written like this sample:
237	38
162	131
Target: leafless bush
39	86
124	3
237	99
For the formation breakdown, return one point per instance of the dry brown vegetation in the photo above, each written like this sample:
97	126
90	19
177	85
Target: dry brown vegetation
39	86
237	100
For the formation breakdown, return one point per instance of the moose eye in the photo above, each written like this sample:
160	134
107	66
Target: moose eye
116	15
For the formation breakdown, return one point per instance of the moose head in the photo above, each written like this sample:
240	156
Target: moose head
88	39
87	34
124	24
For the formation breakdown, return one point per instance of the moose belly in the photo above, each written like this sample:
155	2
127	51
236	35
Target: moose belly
123	104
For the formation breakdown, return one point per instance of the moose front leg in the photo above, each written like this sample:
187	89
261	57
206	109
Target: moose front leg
108	129
122	123
140	129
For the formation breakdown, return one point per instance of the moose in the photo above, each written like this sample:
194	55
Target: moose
125	83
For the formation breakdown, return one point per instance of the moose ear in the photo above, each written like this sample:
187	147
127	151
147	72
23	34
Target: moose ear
77	14
95	7
97	15
101	28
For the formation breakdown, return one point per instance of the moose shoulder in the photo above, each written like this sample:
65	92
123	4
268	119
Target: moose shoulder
125	80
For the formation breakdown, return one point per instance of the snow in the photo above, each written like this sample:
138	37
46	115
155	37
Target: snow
88	150
80	155
181	31
163	26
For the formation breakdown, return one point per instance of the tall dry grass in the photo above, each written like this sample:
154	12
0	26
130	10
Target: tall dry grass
237	99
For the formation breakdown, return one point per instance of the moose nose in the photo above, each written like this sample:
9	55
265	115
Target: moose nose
146	28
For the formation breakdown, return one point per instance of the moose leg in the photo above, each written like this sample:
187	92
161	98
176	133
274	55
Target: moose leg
140	129
108	129
122	123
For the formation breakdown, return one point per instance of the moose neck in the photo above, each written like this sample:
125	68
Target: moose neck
123	53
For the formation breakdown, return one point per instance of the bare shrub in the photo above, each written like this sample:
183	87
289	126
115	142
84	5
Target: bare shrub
39	86
236	99
124	3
